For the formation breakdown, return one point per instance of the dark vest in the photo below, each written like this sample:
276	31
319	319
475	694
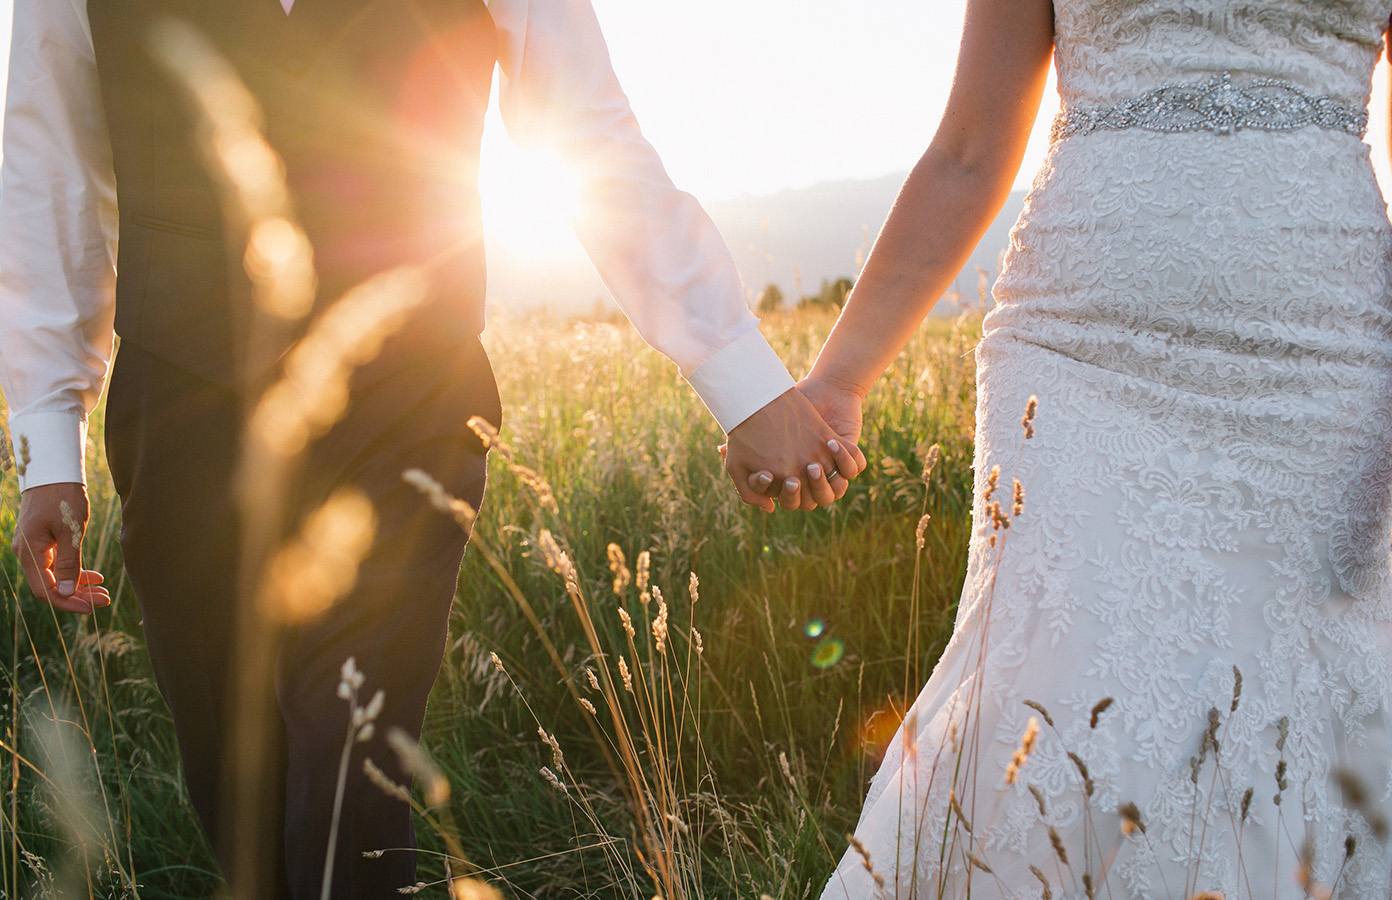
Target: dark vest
376	108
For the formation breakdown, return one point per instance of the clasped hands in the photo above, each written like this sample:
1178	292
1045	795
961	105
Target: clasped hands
800	450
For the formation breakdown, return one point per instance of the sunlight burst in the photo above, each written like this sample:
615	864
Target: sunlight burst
530	198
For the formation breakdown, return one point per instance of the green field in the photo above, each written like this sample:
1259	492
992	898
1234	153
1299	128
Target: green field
737	762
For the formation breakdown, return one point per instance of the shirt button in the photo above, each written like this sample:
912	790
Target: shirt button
295	65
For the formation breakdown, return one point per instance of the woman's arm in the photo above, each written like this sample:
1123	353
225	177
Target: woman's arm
1387	41
948	200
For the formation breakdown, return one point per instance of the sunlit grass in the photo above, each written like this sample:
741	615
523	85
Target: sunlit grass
761	745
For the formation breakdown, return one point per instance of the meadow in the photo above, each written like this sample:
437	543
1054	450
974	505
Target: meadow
744	670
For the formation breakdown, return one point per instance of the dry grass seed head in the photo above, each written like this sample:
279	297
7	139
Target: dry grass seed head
1048	893
1039	708
644	574
463	514
1130	818
557	759
930	460
489	435
786	768
1057	843
992	481
1088	786
919	533
619	567
1027	421
23	465
627	621
552	780
70	522
416	763
659	625
384	783
1102	706
957	810
1022	753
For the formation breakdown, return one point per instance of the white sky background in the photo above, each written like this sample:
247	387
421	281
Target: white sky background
754	96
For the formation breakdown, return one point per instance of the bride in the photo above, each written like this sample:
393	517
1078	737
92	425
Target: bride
1172	665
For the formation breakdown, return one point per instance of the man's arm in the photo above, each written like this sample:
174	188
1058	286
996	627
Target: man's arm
656	249
57	252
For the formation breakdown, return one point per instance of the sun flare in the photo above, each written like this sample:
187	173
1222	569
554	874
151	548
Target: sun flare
530	198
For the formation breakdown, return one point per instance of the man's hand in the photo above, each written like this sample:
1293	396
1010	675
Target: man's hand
48	542
776	445
840	409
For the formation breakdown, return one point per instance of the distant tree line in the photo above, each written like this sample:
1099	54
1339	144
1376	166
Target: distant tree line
831	295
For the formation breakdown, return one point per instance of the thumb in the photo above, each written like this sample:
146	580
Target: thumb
67	553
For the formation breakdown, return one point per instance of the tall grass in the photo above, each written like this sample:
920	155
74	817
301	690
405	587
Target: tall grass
746	761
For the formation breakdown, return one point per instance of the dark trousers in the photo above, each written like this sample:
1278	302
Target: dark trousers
172	443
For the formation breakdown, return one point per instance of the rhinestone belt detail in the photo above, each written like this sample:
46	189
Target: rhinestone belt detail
1215	105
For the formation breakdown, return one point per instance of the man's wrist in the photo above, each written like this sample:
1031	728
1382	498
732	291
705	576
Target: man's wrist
741	379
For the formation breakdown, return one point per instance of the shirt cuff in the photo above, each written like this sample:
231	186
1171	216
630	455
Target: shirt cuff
56	444
741	379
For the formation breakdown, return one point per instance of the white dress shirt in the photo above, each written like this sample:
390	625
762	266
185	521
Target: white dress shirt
653	245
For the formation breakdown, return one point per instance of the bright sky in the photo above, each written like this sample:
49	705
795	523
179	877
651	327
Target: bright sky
743	96
754	96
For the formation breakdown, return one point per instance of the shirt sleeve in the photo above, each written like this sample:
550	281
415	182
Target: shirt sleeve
654	246
57	240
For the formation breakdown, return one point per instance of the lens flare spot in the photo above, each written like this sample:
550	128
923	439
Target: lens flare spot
767	552
828	653
814	628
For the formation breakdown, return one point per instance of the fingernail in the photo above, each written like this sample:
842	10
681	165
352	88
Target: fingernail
764	480
814	471
66	588
791	484
834	445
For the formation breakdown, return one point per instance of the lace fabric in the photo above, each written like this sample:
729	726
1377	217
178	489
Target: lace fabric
1206	321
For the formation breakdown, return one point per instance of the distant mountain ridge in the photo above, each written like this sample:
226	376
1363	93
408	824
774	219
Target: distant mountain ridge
793	238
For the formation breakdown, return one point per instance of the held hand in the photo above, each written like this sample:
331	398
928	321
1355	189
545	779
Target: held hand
841	410
48	542
780	441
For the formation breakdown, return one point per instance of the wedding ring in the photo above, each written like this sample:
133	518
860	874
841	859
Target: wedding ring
833	472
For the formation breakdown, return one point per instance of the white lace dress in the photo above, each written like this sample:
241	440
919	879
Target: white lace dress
1199	293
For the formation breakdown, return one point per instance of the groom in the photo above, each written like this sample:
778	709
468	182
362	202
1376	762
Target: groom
375	109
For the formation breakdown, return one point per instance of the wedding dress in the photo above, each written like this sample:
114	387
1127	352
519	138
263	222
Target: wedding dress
1172	668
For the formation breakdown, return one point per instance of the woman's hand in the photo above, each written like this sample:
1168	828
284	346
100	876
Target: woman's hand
767	455
841	410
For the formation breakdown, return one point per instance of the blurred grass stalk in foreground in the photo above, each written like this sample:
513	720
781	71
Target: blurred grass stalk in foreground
628	456
710	766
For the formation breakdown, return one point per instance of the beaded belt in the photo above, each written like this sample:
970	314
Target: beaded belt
1218	106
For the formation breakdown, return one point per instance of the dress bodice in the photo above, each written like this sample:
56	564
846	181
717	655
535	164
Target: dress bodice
1110	51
